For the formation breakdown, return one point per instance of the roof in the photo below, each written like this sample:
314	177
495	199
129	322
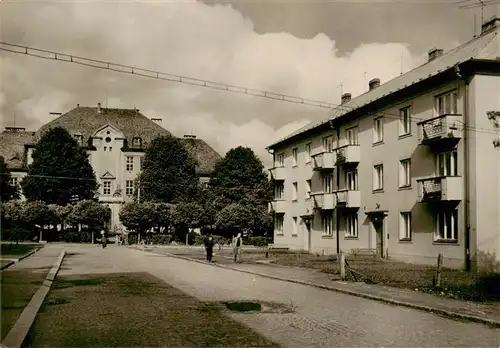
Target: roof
486	46
12	146
87	120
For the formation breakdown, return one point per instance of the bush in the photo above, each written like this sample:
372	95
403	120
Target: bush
132	238
17	234
159	239
258	241
73	236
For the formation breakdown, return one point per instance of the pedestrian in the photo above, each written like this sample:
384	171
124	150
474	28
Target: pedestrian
209	247
237	243
104	240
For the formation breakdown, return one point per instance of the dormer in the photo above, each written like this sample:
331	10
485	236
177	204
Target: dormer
136	142
79	138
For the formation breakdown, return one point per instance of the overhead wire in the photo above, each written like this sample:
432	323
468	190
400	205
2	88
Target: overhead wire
148	73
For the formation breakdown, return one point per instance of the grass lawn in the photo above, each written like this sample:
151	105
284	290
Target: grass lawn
124	310
4	262
14	251
17	289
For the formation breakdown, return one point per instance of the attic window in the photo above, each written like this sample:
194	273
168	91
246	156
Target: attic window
79	138
136	141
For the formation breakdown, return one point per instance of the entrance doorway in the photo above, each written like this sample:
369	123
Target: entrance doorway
308	236
379	237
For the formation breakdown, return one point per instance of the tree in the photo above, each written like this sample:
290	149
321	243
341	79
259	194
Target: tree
90	213
239	176
36	215
234	218
60	170
7	191
136	216
168	173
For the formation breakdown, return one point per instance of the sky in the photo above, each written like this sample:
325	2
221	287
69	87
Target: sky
299	48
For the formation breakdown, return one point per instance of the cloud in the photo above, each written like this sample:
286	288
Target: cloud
185	38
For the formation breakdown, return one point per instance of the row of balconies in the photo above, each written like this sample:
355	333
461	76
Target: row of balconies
432	132
448	188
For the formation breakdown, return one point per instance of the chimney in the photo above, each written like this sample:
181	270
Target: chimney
15	129
99	108
435	53
157	121
55	113
189	136
492	15
345	98
374	83
77	105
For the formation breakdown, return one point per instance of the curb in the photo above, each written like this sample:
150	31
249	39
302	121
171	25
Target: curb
19	331
443	312
19	259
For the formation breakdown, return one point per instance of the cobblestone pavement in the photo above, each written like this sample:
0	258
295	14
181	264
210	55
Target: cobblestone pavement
321	319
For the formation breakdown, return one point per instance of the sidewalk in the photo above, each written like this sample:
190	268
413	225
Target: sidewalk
487	313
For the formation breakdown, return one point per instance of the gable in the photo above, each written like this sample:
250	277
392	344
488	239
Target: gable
107	175
109	131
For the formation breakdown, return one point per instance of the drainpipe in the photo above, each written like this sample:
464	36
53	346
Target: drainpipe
467	170
337	216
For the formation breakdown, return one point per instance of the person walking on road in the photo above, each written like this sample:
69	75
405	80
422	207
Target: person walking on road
209	247
237	243
104	240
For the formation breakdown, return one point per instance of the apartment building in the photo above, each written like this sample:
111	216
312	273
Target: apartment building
407	170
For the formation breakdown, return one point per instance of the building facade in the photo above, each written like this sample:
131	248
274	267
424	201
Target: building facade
407	170
115	140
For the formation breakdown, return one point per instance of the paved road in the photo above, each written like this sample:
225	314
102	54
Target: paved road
321	318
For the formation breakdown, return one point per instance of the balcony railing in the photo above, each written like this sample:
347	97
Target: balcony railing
444	127
349	198
445	188
324	201
278	173
277	206
323	161
348	154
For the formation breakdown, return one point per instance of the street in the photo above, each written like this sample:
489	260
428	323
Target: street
321	318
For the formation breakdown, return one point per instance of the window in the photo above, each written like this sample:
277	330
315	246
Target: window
447	103
351	225
351	180
308	189
110	148
14	181
327	224
105	148
328	184
136	141
130	164
352	136
328	144
106	187
295	192
278	223
447	163
405	121
378	177
129	187
280	160
405	173
279	190
378	130
405	226
295	156
294	227
308	153
447	225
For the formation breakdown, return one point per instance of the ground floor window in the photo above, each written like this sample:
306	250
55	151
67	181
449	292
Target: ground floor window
295	227
327	224
278	223
351	225
447	225
405	226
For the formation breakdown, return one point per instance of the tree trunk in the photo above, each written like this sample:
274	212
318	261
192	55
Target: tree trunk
92	236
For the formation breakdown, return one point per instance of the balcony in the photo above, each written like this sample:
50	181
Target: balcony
348	154
324	201
349	198
324	161
278	173
442	129
277	206
445	188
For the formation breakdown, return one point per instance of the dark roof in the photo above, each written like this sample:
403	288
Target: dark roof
87	120
205	156
486	46
12	146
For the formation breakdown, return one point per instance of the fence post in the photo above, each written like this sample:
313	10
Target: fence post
438	271
342	266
